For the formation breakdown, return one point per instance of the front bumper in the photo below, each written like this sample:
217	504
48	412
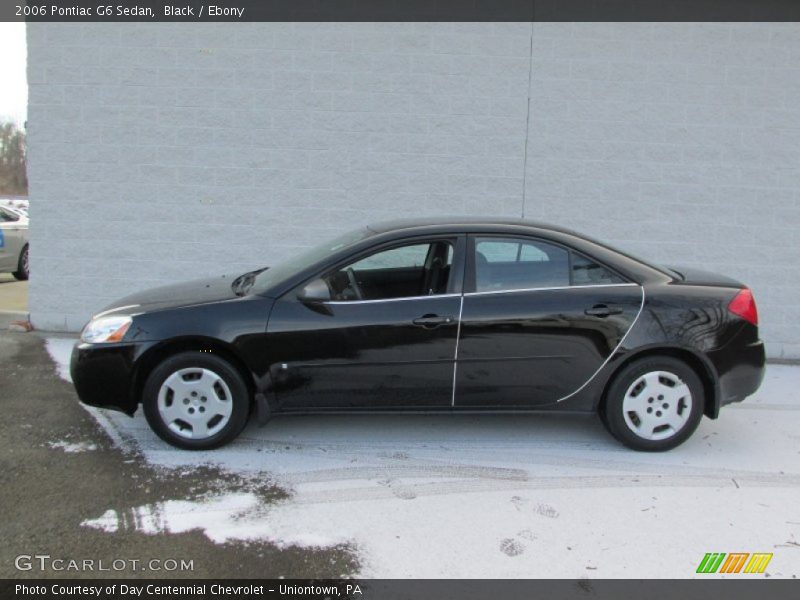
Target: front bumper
104	374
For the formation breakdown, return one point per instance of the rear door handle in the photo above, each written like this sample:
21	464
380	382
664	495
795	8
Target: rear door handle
433	321
602	311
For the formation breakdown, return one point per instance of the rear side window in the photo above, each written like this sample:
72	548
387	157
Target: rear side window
588	272
518	264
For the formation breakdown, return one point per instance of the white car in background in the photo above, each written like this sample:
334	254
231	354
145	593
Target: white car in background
19	205
14	243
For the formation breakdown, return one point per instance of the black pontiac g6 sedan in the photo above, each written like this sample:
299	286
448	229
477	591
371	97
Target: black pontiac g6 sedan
464	315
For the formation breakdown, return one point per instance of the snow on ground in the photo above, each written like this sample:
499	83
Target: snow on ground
73	447
498	496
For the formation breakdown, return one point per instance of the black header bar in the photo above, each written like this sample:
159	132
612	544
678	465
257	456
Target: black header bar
738	588
192	11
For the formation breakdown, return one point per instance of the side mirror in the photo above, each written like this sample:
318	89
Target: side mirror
315	292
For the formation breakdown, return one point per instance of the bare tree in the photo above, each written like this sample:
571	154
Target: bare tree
13	173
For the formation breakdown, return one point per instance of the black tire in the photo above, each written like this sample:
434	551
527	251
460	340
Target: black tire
240	399
22	271
614	418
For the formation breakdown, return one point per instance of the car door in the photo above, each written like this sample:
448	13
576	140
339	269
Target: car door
386	337
11	239
538	321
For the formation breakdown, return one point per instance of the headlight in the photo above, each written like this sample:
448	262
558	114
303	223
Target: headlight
106	329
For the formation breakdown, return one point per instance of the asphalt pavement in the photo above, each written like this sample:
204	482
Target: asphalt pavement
13	300
58	469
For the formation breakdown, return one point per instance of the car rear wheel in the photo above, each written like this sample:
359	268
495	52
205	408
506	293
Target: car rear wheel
196	401
654	404
22	271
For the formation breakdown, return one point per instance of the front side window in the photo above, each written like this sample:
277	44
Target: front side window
405	257
518	264
420	269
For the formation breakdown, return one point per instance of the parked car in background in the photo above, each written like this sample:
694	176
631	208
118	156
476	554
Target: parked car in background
14	243
19	205
439	316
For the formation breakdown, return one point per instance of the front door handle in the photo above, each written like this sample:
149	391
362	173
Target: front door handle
433	321
602	311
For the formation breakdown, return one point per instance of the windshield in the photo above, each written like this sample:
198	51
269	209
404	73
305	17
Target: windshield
291	266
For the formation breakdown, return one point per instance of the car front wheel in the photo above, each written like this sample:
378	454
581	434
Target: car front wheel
654	404
196	401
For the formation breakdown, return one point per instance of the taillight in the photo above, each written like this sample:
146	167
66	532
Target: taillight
744	306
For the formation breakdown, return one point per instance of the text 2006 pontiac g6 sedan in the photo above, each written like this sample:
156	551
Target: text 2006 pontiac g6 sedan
431	316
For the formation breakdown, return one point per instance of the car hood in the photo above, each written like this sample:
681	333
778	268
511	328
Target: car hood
692	276
187	293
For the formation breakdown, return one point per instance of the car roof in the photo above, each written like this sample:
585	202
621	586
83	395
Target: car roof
387	233
632	267
465	223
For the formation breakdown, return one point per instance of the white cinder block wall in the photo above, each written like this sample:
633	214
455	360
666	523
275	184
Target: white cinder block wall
169	151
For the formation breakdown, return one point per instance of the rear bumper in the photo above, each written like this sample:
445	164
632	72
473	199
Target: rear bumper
103	374
745	378
740	366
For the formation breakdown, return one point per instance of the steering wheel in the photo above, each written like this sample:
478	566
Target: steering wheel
351	277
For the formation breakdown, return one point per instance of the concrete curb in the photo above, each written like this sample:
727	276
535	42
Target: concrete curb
7	317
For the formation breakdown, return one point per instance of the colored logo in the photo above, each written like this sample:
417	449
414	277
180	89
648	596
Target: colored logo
735	562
